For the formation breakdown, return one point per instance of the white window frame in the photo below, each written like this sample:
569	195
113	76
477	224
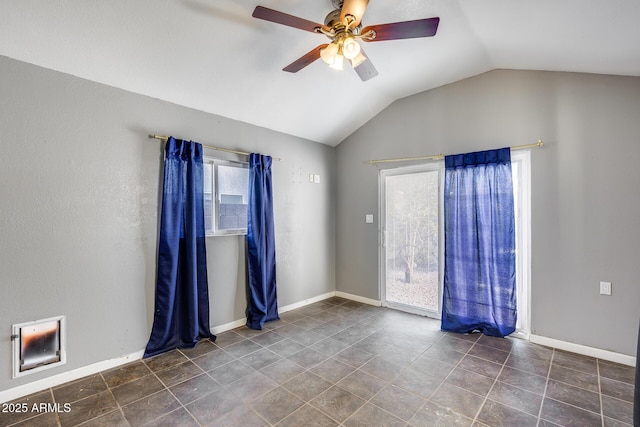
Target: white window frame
215	199
522	159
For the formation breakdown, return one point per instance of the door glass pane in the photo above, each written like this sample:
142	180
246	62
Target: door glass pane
411	240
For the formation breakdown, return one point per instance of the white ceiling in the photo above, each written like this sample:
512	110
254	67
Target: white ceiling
211	55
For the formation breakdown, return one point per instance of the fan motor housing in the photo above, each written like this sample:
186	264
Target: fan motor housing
333	21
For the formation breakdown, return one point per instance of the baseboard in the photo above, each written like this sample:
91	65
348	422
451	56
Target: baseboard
303	303
358	298
55	380
228	326
39	385
584	350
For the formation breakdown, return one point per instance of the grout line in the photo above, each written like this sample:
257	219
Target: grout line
169	390
114	399
441	338
184	406
53	398
427	400
332	384
495	380
546	384
32	416
370	330
600	392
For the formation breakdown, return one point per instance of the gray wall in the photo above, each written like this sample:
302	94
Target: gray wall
80	184
585	204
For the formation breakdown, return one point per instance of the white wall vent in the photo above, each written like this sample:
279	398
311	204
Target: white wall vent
38	345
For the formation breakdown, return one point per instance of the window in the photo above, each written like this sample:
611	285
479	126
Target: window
226	193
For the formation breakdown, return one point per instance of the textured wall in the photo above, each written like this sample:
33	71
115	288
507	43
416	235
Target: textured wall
585	207
80	184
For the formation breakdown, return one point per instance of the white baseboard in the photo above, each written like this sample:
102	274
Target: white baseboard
584	350
39	385
228	326
357	298
306	302
55	380
241	322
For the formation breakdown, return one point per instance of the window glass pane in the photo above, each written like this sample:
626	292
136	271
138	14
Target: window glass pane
226	195
411	243
233	187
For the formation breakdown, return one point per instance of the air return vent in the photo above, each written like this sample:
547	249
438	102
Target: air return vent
38	345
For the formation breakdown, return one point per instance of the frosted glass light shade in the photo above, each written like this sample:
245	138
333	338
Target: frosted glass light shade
337	62
328	54
351	48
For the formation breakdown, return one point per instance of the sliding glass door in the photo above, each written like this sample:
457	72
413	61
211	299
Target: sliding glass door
412	238
410	251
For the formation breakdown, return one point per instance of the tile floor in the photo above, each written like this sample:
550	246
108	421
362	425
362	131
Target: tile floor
342	363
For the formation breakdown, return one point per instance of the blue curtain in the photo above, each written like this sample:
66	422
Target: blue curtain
261	252
181	314
479	269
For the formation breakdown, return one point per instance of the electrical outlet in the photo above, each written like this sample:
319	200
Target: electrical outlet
605	288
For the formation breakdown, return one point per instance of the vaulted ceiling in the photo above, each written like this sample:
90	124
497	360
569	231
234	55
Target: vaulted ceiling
212	55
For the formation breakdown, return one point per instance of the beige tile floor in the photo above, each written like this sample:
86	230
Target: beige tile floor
342	363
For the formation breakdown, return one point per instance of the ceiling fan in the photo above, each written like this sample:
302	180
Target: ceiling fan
343	27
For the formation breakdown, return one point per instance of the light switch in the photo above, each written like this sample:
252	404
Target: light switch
605	288
316	179
368	218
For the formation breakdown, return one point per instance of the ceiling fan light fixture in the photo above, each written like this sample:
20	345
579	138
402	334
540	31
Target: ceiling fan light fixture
337	62
328	54
343	26
351	48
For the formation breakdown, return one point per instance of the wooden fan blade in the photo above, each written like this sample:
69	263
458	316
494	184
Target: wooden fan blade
305	60
284	19
354	8
402	30
366	70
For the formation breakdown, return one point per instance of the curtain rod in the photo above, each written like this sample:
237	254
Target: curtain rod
441	156
243	153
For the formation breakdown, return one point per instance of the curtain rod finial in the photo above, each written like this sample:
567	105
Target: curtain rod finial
160	137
